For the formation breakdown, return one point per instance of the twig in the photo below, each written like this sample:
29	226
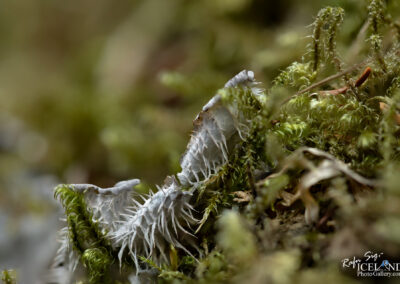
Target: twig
326	80
364	76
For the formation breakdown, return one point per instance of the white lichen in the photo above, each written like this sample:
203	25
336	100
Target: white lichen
217	129
149	228
65	261
107	205
164	218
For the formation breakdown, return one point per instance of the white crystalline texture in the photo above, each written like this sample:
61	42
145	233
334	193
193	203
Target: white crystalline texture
147	229
160	220
108	204
209	145
150	227
65	261
215	133
121	186
244	77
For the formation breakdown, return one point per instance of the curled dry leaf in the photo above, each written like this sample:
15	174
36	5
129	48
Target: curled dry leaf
243	196
328	168
385	107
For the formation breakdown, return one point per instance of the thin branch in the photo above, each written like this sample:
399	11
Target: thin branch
326	80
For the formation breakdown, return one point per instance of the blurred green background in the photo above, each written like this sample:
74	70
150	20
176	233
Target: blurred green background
101	91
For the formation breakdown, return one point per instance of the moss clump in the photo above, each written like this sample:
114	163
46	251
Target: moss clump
346	120
97	261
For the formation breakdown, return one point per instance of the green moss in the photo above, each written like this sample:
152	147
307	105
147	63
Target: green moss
237	243
86	238
325	31
297	75
9	277
97	261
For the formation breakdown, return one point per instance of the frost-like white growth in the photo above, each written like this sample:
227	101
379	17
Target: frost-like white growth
147	229
209	145
65	261
162	218
216	131
140	229
245	78
150	227
65	254
119	187
108	204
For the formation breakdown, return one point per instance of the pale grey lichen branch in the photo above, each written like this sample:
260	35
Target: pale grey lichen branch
165	218
125	185
217	129
149	228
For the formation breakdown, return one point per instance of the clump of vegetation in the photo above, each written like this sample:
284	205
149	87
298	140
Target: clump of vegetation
307	177
8	277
